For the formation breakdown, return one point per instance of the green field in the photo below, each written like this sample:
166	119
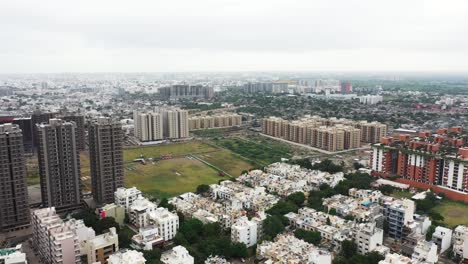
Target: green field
454	213
167	178
182	173
260	151
192	147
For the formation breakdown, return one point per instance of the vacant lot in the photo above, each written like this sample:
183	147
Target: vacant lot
454	213
167	178
85	171
192	147
259	151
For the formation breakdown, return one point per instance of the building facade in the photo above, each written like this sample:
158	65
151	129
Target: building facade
106	153
59	165
14	207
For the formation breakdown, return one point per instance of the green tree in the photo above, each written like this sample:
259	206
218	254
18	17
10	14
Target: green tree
165	203
272	226
348	249
312	237
296	198
202	188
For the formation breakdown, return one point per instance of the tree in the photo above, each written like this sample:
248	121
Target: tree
386	189
348	249
332	211
282	208
297	198
312	237
239	250
202	188
429	233
165	203
211	230
272	226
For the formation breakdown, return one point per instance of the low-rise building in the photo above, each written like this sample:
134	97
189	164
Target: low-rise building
112	210
368	237
395	258
460	241
289	249
177	255
442	237
244	231
126	257
102	246
126	196
139	210
147	238
425	252
216	260
13	255
166	222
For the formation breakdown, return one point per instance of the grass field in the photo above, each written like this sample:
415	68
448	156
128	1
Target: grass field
167	178
260	151
191	147
181	174
454	213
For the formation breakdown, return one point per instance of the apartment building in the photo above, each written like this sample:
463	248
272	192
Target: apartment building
59	165
148	126
244	231
106	158
14	207
125	197
368	237
79	120
100	248
442	237
13	255
147	238
54	241
112	210
460	241
437	161
185	91
425	252
398	213
166	222
138	211
327	134
215	121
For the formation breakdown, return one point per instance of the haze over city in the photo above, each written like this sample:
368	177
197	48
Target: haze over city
225	35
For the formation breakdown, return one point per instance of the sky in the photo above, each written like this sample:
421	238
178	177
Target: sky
233	35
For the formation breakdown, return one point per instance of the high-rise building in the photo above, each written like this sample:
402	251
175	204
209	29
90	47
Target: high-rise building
14	208
39	117
26	126
105	151
80	128
148	126
185	91
59	164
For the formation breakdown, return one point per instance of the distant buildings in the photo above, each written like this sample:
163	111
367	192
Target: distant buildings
426	161
177	255
165	123
215	121
106	158
14	207
370	99
185	91
59	164
328	134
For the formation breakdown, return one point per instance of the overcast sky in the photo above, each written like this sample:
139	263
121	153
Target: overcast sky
233	35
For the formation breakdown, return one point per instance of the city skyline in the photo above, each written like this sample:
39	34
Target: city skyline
210	35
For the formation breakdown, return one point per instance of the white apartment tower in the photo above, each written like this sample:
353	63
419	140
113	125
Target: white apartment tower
148	126
244	231
54	241
126	196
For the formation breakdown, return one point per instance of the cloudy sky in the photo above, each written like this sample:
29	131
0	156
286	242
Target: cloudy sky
233	35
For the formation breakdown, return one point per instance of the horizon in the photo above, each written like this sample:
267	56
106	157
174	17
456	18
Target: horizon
229	36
